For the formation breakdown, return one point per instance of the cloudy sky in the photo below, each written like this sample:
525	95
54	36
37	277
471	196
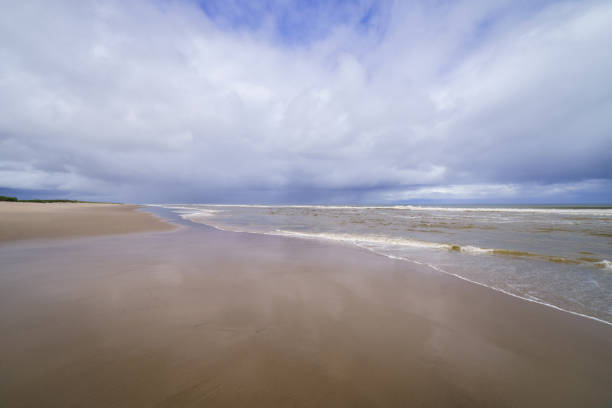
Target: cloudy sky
307	101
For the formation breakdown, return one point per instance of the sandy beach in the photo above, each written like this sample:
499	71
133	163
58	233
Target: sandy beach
61	220
105	305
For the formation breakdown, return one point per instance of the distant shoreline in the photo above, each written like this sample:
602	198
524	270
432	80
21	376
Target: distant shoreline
56	200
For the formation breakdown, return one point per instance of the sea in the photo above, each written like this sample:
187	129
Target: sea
559	256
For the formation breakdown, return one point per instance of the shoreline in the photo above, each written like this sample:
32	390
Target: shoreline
165	224
428	265
202	316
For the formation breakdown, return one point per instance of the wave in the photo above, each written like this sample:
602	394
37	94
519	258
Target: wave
365	240
548	210
605	264
188	213
599	211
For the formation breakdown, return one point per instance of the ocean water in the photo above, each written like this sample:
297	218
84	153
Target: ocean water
558	256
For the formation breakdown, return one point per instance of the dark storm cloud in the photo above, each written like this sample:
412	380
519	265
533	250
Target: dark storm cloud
186	101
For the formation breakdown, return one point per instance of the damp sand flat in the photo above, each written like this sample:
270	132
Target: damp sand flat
200	317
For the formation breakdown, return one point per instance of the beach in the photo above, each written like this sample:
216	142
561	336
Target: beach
21	221
108	305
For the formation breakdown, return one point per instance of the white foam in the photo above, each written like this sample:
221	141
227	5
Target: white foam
605	264
476	250
377	240
187	212
367	239
198	214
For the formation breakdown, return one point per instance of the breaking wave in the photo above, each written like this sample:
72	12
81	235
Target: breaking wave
365	240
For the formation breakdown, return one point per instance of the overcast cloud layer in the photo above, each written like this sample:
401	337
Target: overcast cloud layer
175	101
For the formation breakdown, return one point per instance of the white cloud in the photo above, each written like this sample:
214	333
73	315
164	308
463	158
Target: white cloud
130	99
514	192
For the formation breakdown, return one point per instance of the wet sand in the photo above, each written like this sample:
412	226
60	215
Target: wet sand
199	317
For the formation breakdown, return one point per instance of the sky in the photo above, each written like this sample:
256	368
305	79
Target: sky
279	101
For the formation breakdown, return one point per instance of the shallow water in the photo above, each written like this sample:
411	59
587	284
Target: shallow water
560	256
